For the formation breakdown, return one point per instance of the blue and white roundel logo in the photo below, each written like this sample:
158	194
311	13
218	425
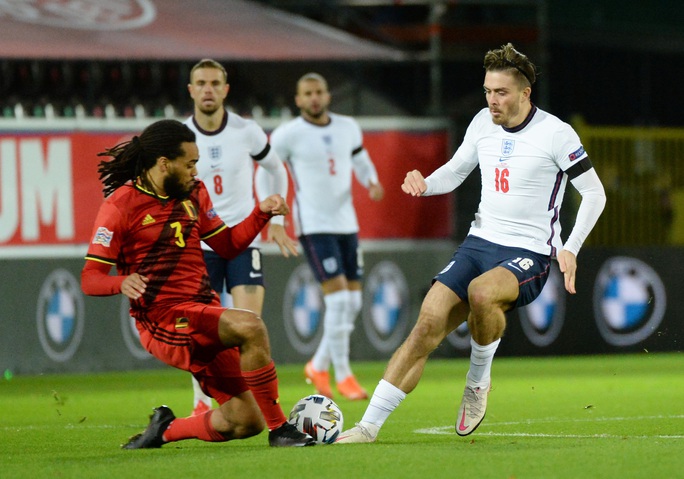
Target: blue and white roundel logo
385	315
460	337
542	319
130	333
629	301
303	310
59	316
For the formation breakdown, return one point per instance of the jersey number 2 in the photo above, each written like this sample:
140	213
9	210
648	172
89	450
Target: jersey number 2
501	180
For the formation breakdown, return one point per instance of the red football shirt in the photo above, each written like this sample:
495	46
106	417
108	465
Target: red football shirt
141	233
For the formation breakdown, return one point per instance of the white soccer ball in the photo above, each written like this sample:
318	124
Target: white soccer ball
319	417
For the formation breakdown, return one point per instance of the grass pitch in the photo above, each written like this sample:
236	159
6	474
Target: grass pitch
619	416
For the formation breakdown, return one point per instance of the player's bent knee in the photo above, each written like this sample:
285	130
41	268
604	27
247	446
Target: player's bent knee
480	294
238	326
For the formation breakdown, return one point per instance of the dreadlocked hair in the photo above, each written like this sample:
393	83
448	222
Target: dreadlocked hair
132	159
506	58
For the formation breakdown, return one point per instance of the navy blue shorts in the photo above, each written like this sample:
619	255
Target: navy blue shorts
242	270
476	256
331	255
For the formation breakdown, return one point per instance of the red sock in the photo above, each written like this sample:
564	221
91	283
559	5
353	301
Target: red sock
263	383
193	427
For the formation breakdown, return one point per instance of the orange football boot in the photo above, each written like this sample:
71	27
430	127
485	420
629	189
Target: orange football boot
319	379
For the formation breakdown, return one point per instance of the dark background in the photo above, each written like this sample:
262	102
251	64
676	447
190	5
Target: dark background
611	62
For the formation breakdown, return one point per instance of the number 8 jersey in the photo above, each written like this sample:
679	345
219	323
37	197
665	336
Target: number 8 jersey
227	163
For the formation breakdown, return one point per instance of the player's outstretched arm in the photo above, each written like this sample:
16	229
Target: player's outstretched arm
229	242
274	205
414	183
593	201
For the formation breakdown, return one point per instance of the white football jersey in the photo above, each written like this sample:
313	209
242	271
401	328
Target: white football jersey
321	160
523	179
226	165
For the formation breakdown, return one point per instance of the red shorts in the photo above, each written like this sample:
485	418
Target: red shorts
185	336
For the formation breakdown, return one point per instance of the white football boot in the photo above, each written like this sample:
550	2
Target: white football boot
359	434
472	410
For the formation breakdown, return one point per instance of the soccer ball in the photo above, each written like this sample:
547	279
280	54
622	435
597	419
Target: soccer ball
319	417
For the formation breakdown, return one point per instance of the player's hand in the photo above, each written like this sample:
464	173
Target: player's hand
134	285
277	234
275	205
376	192
414	183
568	266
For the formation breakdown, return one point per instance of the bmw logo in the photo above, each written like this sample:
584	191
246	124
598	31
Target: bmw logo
303	310
59	316
460	337
542	319
130	333
385	311
629	301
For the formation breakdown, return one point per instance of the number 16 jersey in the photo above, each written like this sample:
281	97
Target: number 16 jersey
523	178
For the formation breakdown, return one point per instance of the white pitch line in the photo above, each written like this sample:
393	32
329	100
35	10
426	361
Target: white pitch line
588	419
448	430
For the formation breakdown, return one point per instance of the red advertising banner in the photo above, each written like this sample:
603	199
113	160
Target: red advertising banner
399	215
49	186
50	191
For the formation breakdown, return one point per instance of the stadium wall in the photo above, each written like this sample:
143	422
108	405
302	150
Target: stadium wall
627	301
49	193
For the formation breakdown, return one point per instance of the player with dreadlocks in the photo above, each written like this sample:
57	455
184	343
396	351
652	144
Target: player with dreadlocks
150	227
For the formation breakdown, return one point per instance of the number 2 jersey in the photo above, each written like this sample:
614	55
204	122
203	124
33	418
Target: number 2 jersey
321	159
523	178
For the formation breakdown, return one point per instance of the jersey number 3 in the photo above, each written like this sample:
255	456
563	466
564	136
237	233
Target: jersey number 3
178	227
501	180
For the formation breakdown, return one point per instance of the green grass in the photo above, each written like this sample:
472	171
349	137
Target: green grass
618	416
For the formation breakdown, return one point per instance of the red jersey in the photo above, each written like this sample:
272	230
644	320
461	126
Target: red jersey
160	238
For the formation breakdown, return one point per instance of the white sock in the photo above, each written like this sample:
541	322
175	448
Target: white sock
334	323
321	358
386	398
481	357
355	305
199	394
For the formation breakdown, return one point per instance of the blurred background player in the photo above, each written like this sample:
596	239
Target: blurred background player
526	157
322	149
229	147
150	227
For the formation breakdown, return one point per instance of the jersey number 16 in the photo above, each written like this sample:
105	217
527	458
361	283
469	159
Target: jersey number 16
501	180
